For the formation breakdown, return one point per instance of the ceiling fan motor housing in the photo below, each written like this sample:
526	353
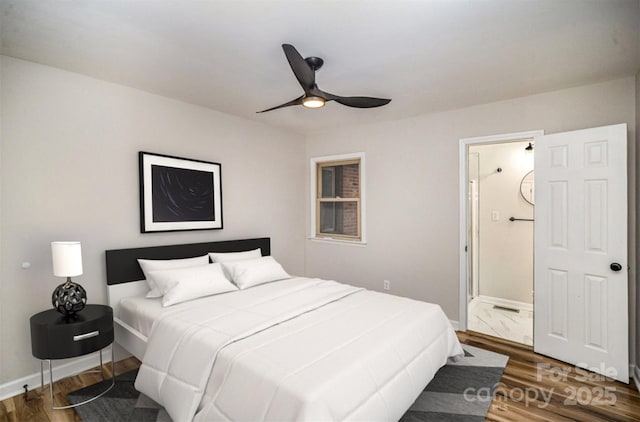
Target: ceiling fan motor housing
315	63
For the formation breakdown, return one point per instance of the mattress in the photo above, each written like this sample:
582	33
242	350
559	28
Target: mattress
297	349
140	312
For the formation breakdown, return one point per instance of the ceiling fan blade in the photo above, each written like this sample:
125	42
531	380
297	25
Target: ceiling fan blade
297	101
358	102
304	74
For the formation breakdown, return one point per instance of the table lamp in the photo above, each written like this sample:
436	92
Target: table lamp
69	297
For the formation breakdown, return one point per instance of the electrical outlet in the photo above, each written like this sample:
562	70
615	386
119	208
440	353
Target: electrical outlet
386	284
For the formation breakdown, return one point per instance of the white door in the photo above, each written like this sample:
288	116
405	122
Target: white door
580	278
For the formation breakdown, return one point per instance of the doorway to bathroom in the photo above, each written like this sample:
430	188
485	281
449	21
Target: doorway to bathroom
581	243
500	227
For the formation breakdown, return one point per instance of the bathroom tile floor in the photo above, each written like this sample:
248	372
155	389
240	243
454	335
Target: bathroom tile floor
514	326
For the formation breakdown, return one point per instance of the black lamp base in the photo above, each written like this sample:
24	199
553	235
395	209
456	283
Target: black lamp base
69	298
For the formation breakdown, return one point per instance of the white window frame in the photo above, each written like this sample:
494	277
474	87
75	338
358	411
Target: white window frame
363	203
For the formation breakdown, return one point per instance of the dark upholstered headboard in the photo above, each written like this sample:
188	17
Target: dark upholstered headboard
122	264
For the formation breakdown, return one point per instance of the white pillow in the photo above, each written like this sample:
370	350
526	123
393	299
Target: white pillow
182	284
234	256
252	272
149	265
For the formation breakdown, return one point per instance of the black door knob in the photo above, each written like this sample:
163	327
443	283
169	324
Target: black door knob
615	266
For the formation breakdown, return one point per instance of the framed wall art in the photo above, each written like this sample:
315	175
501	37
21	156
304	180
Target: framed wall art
179	194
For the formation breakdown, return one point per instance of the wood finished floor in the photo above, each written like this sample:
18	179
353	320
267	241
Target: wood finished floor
550	382
554	385
37	407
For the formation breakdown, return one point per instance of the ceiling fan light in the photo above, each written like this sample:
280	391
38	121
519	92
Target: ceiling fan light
313	102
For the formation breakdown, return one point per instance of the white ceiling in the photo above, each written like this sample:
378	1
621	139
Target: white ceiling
428	55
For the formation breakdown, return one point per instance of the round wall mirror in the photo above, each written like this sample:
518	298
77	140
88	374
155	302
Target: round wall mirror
527	187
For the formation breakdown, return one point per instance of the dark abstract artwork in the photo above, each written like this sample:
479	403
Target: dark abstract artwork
179	194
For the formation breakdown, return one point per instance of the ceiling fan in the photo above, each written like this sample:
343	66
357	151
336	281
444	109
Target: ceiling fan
305	71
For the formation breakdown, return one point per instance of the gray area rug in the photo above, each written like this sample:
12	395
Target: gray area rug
460	391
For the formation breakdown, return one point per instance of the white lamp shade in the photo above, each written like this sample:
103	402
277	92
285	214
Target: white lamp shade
67	259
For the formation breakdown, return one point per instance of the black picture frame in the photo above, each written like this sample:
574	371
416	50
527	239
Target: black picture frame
179	194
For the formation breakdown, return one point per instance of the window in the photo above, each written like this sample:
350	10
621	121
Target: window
337	185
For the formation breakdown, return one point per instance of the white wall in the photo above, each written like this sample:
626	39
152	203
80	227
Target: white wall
505	247
412	185
69	171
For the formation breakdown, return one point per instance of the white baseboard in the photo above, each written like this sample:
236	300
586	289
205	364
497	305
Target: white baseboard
636	376
78	365
506	303
455	324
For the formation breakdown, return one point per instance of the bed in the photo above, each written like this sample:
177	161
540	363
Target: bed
293	349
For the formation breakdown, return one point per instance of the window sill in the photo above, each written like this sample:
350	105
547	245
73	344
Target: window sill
357	243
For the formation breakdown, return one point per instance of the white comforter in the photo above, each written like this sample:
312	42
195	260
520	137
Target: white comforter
297	349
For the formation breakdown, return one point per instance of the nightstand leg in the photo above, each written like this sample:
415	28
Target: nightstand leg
113	382
51	383
41	376
113	363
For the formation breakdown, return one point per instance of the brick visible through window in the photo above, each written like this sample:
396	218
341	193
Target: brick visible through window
338	199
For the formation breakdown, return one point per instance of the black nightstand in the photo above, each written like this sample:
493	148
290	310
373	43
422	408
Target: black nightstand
55	337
